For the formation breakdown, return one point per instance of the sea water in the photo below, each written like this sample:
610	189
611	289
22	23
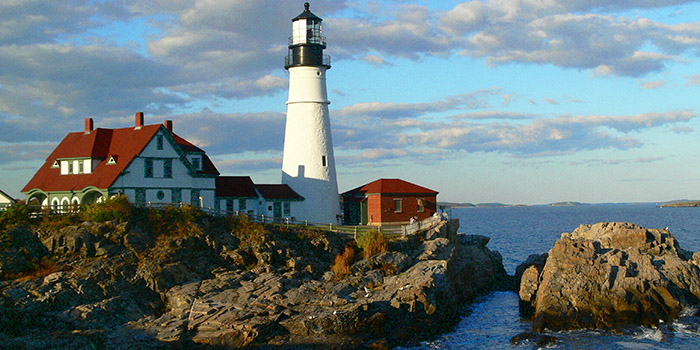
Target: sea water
517	232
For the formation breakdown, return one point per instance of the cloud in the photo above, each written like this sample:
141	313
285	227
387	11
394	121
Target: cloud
221	134
649	85
494	115
478	99
375	60
259	162
693	80
506	99
648	159
24	151
520	135
569	34
682	129
36	21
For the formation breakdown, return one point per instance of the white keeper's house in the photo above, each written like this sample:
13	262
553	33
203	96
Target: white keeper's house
147	163
150	164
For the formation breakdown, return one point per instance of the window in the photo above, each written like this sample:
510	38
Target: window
55	164
70	167
397	205
421	205
160	195
140	196
323	160
229	204
159	142
148	167
196	163
287	209
111	160
80	167
241	204
168	168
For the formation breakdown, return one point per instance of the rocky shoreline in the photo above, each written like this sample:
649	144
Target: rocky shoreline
211	283
610	276
116	285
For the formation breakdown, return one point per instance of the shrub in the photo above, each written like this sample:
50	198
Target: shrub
341	265
371	242
14	216
173	221
116	208
57	222
250	233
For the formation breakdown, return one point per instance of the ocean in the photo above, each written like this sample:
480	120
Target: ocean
517	232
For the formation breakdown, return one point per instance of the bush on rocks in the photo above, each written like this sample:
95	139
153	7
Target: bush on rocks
372	243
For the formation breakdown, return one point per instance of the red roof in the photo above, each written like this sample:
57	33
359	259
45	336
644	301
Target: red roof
394	186
235	186
282	192
123	144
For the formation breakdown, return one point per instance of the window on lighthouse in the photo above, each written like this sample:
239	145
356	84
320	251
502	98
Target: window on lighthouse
299	32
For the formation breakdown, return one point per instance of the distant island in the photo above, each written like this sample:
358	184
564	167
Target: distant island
565	204
682	203
450	205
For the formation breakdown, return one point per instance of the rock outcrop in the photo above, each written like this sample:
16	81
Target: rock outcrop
609	275
115	285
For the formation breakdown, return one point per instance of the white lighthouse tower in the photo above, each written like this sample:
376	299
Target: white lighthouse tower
308	164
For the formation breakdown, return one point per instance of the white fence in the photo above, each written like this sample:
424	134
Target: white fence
349	230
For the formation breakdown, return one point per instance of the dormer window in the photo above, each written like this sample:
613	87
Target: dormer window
197	163
111	160
55	164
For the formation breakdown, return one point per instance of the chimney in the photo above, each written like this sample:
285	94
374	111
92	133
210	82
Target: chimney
89	125
139	120
168	125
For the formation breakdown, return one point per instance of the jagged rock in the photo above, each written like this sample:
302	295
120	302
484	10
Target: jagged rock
611	274
537	339
19	253
527	276
436	249
123	286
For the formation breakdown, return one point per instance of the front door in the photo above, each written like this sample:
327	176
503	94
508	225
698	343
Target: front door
277	209
363	214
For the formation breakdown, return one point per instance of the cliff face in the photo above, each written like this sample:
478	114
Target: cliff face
232	284
609	275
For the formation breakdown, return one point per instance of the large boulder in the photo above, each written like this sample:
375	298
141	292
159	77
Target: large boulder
20	251
609	275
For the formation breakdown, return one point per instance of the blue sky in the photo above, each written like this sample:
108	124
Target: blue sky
514	101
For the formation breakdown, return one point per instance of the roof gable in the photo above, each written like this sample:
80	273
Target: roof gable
7	197
394	186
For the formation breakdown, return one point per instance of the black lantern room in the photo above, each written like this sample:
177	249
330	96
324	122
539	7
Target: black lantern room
306	43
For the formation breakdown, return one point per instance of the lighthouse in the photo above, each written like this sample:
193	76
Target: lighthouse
308	164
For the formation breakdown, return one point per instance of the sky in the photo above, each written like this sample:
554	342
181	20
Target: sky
512	101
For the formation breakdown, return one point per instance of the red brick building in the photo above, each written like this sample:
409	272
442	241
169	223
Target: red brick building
388	201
